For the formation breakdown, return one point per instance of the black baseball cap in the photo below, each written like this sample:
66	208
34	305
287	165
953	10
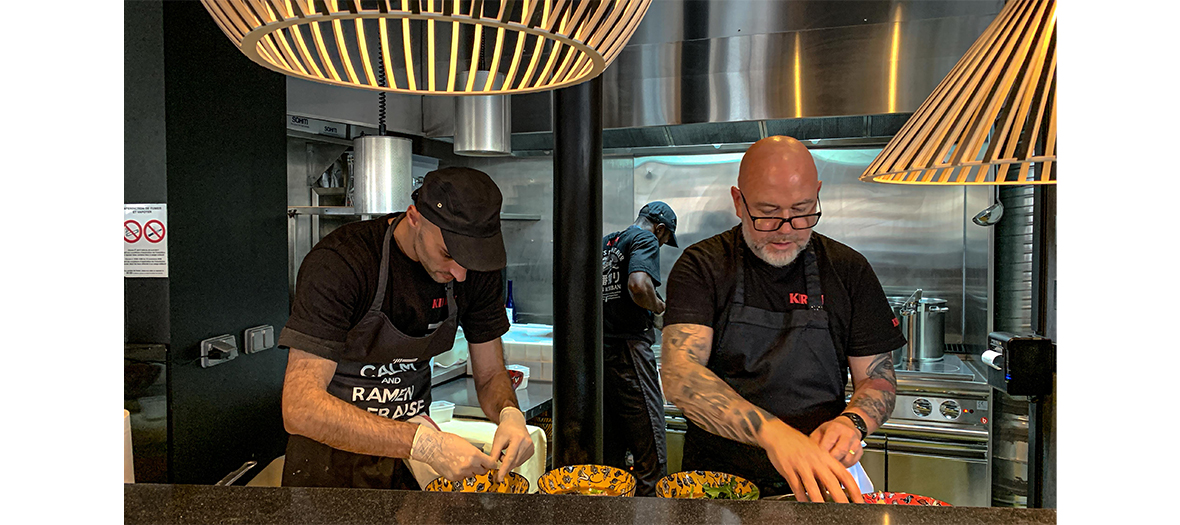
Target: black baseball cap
661	213
465	204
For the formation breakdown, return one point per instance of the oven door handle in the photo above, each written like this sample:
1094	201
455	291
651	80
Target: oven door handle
927	431
941	450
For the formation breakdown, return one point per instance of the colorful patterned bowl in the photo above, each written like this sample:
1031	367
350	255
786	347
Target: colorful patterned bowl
902	498
589	480
513	484
690	485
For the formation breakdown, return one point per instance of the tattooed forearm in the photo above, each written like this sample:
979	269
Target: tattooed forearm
705	399
876	394
691	339
882	368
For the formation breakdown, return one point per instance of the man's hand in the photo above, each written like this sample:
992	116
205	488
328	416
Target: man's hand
805	466
448	454
840	438
512	445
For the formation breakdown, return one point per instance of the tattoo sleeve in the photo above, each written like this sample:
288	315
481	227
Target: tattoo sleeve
705	398
876	393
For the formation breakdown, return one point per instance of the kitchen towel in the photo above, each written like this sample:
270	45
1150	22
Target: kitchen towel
862	478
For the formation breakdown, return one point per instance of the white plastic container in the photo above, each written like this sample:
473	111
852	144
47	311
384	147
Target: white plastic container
442	411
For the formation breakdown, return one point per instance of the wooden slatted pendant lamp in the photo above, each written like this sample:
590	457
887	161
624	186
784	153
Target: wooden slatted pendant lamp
993	119
538	45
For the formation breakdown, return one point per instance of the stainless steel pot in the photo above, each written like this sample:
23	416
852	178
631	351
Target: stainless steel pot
923	321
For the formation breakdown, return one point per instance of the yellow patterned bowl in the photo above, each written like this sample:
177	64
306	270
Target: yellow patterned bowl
691	485
588	480
513	484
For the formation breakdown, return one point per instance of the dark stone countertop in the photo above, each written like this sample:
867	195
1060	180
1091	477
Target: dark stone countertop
209	504
534	399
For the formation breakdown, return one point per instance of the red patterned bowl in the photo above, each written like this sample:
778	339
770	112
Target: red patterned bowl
902	498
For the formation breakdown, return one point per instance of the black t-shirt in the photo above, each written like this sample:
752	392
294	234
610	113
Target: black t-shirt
623	253
338	279
702	283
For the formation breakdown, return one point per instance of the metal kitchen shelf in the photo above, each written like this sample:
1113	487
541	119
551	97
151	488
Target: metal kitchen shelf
348	211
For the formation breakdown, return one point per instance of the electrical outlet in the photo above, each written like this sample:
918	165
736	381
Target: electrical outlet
258	339
217	350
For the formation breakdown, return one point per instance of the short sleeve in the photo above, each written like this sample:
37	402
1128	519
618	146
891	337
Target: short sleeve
645	256
691	290
327	295
873	328
484	317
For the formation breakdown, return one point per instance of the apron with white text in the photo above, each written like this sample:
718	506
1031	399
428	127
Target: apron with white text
382	371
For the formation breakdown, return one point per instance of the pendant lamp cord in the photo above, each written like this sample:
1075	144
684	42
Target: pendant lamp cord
381	97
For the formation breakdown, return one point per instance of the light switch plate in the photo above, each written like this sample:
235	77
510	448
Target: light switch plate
226	343
258	339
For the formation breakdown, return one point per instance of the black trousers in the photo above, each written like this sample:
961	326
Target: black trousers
633	419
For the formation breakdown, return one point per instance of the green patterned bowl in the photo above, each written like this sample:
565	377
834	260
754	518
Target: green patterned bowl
513	484
588	480
691	485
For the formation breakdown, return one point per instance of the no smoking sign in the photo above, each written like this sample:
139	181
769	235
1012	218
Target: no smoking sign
132	231
145	245
153	231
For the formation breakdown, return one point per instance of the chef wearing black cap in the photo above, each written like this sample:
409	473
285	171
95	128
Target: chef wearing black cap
633	418
374	302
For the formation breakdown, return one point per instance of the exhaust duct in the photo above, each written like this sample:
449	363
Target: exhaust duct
382	174
483	123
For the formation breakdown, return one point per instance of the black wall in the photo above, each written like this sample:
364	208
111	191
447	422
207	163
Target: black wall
205	134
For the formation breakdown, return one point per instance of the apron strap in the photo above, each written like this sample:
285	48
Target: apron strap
811	275
739	292
815	295
383	275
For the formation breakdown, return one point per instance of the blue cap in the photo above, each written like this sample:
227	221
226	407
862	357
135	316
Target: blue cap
661	213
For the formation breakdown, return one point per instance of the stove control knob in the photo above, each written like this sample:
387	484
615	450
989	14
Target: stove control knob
922	407
950	409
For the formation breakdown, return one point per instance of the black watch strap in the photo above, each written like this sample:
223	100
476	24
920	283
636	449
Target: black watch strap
859	422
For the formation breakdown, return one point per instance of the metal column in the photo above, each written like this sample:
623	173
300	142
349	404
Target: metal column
1042	479
577	274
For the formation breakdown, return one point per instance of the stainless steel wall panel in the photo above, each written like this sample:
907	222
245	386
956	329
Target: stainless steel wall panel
976	260
618	194
697	189
527	186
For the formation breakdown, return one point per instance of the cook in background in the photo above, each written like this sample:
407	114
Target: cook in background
763	323
374	301
633	418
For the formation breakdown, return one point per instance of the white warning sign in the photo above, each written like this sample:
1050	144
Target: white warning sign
145	240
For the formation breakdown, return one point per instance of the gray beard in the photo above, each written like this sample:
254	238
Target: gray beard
759	249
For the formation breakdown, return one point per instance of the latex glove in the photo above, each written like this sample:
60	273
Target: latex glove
512	445
840	438
448	454
806	466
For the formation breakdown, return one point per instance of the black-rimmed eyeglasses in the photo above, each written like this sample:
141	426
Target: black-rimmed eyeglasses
770	224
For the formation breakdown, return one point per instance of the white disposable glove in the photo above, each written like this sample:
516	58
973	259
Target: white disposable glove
512	445
448	454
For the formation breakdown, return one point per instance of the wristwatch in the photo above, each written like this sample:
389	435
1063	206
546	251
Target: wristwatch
859	422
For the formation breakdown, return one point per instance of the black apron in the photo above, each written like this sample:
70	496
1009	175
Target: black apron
633	412
783	362
382	371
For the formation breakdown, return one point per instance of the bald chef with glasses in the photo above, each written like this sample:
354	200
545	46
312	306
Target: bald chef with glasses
763	324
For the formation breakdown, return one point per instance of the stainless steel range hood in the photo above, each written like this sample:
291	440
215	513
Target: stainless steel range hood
709	72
